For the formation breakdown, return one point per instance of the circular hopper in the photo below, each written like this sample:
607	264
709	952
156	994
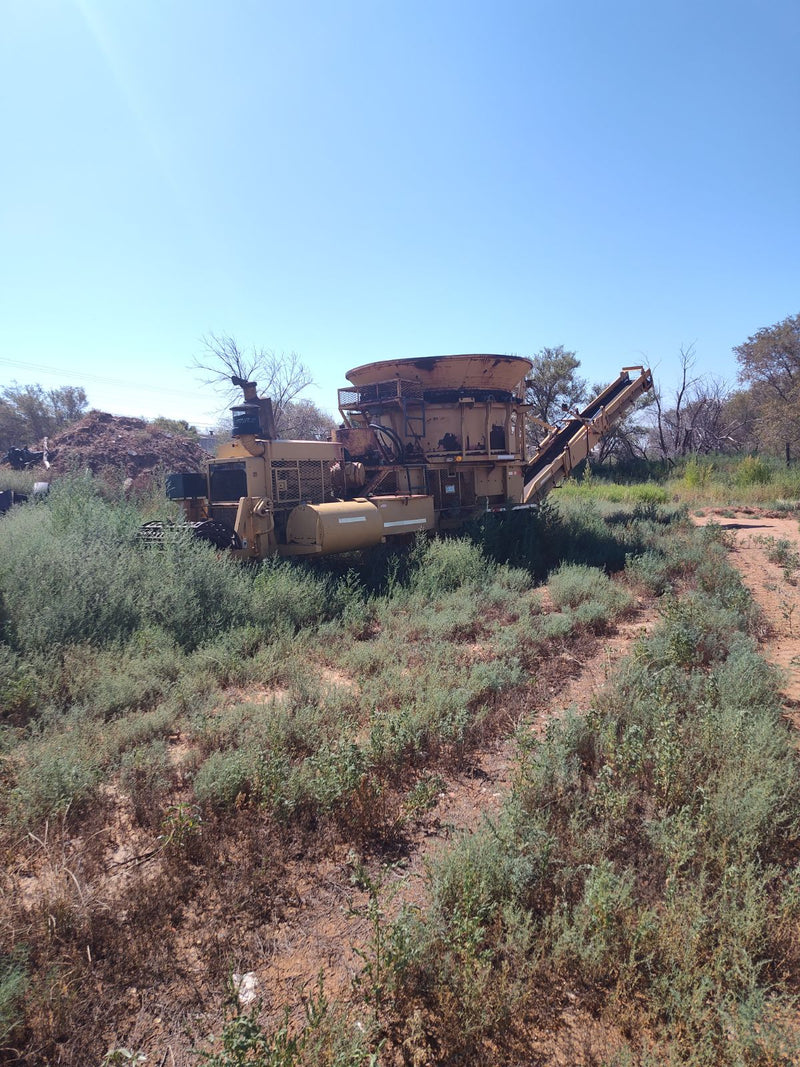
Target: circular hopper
482	371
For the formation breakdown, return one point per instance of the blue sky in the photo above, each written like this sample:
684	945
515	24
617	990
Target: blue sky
367	180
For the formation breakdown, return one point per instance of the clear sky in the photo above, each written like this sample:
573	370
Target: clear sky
366	179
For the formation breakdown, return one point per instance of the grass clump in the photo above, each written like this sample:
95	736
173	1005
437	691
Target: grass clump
13	983
645	860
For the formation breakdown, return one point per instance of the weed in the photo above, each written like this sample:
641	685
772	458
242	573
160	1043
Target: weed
752	470
782	552
324	1039
13	983
424	795
181	826
696	473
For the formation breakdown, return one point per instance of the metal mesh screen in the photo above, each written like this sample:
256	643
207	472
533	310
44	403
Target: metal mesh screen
301	481
314	486
380	393
349	399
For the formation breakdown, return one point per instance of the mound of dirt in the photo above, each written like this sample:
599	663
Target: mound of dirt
122	447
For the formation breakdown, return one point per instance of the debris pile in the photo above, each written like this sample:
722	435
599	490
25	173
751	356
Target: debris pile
122	448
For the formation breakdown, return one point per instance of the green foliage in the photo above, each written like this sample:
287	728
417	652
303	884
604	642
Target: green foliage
245	1042
644	848
441	566
289	596
18	688
223	777
326	1039
697	473
574	585
13	983
28	413
19	481
783	553
596	489
73	570
60	773
553	383
768	362
541	539
180	427
752	470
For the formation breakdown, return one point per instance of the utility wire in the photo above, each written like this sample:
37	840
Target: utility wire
101	380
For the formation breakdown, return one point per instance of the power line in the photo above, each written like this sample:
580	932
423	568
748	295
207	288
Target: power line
102	380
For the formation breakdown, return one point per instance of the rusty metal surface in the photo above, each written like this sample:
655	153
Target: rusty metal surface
476	371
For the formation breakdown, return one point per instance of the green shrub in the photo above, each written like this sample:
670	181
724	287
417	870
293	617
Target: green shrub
62	772
223	777
752	470
574	584
443	565
73	569
594	939
541	539
651	569
288	596
13	983
19	694
697	473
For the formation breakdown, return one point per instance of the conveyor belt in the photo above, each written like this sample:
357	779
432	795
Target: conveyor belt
565	447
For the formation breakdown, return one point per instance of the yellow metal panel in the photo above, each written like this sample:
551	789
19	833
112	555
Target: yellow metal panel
405	514
334	527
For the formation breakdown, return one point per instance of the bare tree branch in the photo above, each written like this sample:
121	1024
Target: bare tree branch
281	377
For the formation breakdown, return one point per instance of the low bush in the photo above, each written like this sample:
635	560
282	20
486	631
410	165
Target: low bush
442	566
646	856
752	471
73	570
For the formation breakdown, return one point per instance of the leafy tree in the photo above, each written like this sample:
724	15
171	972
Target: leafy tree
302	420
553	386
769	362
28	412
280	377
180	427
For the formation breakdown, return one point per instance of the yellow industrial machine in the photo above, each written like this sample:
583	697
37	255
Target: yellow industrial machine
425	444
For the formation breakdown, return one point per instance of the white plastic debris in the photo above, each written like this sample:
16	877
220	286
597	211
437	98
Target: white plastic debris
246	987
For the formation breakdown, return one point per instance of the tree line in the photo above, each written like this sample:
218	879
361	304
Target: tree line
701	415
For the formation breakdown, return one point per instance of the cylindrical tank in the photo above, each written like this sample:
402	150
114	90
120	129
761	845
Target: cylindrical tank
479	371
335	527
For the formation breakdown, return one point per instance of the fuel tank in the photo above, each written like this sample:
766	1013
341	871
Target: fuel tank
344	525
